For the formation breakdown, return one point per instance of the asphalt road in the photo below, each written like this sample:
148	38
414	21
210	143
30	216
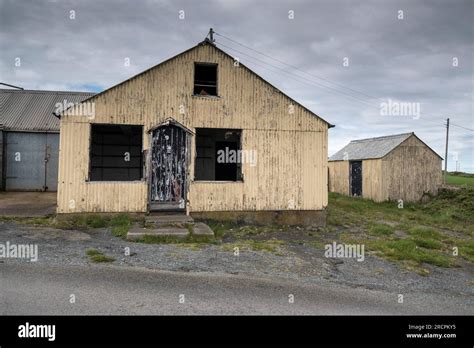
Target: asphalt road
34	289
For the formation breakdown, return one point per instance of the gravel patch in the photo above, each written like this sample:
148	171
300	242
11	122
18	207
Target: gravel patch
294	261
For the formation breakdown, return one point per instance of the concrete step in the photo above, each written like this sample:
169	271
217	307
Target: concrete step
139	232
168	219
201	229
168	229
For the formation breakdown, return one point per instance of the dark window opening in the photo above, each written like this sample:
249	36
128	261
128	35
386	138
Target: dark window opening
205	79
116	153
217	156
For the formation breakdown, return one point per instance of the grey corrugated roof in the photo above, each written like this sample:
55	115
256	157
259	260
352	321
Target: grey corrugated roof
32	110
369	148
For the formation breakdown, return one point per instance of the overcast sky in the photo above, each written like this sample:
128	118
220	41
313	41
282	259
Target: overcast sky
352	56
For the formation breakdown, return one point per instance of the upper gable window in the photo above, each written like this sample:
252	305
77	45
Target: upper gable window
205	79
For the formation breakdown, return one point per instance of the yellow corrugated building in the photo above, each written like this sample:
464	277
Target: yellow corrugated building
165	139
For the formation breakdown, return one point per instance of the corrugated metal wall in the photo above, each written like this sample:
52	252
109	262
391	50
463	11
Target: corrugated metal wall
285	177
31	161
372	180
339	177
291	170
410	170
52	158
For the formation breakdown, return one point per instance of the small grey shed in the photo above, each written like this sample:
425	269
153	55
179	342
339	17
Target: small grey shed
390	167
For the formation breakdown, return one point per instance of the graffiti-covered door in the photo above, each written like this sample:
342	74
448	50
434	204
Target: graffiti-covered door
168	168
355	178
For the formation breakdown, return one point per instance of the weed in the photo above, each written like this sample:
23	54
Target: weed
102	258
425	232
428	243
97	256
381	230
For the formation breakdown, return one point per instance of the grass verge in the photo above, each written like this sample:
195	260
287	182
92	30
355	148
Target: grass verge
119	224
417	234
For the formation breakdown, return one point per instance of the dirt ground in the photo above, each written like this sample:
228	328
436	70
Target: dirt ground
27	204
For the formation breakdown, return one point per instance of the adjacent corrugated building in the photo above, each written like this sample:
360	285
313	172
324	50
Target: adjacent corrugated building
391	167
29	138
199	133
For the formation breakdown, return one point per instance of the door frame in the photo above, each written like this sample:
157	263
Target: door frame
153	206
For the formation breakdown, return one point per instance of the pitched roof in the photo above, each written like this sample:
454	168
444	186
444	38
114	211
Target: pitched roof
32	110
207	42
369	148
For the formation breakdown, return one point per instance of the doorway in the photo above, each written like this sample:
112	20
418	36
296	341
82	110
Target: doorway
168	168
31	161
355	178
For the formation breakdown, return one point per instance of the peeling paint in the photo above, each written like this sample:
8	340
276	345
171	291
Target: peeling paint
168	165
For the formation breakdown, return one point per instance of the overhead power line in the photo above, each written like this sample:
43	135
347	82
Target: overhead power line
456	125
307	81
299	69
294	76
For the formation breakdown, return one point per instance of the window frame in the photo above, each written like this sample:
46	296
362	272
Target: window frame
239	166
217	80
142	155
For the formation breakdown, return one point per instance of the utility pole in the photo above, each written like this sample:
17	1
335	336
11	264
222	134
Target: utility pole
211	35
446	152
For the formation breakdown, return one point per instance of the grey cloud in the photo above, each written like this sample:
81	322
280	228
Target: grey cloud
407	60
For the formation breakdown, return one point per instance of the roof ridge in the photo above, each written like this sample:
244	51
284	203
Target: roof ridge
382	137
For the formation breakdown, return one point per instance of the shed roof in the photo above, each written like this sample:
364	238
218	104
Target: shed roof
32	110
370	148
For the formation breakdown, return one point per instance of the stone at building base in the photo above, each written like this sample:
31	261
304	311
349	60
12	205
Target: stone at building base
316	218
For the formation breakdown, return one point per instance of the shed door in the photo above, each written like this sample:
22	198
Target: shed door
168	168
31	161
355	178
52	156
